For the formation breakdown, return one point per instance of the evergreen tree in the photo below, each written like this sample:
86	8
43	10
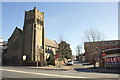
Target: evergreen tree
64	50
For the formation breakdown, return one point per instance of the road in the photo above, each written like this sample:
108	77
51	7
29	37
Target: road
28	72
25	72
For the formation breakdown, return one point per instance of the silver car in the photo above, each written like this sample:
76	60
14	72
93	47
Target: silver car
70	63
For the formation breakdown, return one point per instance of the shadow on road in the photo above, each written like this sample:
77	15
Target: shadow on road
97	70
58	79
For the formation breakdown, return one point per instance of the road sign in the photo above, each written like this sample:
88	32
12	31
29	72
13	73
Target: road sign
56	56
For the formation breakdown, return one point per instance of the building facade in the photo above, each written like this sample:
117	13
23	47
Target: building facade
1	49
33	34
1	43
94	49
51	47
111	58
29	42
14	47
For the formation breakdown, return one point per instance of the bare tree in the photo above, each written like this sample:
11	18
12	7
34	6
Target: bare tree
78	49
40	56
93	38
93	35
60	38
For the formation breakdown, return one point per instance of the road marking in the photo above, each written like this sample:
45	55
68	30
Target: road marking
43	74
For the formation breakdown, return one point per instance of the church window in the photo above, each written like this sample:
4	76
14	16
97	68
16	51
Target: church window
38	21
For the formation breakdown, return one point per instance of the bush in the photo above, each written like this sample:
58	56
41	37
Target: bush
51	60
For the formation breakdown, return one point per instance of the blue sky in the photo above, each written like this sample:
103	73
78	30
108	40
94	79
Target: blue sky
70	19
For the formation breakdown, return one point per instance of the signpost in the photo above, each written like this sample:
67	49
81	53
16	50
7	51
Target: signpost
56	61
56	56
103	54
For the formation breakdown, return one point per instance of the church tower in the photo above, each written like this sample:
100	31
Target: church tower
33	35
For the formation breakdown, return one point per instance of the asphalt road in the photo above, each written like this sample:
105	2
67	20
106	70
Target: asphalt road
25	72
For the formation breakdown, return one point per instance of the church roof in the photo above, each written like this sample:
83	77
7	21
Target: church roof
51	43
17	31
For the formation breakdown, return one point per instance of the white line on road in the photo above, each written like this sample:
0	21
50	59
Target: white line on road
43	74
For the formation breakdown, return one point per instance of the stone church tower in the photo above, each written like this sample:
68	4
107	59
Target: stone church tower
33	35
29	43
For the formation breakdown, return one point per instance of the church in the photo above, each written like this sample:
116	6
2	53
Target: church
30	43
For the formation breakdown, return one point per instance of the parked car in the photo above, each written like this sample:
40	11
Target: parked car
70	63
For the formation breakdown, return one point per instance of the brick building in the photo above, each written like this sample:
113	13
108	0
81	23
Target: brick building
94	49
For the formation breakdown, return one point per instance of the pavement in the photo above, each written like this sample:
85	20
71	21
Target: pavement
81	67
98	70
78	70
64	68
87	67
25	72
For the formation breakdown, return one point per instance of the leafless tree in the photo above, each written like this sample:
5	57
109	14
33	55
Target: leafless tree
40	56
60	38
78	49
95	37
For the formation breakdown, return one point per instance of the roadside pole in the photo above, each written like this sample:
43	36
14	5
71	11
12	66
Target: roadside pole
37	60
38	55
56	61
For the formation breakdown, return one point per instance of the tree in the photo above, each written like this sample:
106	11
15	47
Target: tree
93	35
64	50
40	56
78	51
95	38
51	59
60	38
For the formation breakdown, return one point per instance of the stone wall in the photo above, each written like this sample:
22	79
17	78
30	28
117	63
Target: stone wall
33	33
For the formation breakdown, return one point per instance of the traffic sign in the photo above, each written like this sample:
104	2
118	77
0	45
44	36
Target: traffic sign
103	54
56	56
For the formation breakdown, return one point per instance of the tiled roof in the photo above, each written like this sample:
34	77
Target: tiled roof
51	43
